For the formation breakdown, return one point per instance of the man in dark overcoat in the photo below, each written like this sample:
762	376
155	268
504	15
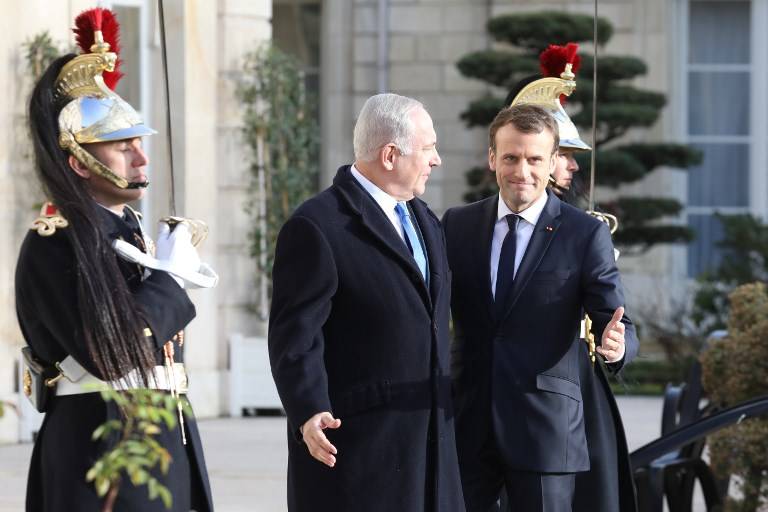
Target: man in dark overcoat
358	333
527	267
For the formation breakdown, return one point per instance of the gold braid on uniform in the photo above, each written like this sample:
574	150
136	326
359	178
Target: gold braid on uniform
49	220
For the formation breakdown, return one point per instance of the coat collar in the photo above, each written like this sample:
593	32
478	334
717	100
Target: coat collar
376	222
115	227
113	224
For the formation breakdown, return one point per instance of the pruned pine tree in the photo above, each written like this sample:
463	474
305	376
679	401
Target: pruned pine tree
644	221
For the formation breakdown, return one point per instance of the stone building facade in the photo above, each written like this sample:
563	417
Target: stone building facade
707	56
411	47
206	42
355	48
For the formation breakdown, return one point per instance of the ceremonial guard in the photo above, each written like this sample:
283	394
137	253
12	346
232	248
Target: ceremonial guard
91	302
608	485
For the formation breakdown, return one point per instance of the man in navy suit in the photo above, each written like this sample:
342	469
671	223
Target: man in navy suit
526	269
358	332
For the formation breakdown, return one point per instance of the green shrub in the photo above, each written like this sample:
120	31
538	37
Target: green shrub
650	377
735	369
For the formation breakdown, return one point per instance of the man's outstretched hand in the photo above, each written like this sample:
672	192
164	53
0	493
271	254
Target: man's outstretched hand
318	445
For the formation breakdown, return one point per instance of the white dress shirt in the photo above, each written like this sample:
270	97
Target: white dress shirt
528	219
384	200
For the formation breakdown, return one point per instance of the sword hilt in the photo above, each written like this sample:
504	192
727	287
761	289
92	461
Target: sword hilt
197	228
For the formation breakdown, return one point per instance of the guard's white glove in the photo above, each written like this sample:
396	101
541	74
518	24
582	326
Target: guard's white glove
175	255
175	247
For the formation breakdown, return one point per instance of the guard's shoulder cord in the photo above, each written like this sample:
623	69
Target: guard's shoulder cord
49	220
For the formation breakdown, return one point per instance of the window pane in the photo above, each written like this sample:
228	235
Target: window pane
723	177
296	31
718	103
312	80
703	253
129	87
719	32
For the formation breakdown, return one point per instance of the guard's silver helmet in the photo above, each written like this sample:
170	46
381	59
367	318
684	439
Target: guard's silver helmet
546	92
93	111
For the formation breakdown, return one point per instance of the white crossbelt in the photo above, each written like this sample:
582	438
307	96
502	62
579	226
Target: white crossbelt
76	380
205	277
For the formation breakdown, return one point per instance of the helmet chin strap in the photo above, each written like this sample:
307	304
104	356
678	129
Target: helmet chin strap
68	143
557	188
137	184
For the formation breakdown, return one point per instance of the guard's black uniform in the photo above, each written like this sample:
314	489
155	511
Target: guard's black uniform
608	485
47	308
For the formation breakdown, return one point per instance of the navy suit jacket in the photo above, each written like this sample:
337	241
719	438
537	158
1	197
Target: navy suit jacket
516	376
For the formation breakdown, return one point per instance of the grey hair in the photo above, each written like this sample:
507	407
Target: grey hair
384	119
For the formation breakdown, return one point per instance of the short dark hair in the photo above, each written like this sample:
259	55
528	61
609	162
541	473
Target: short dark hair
525	118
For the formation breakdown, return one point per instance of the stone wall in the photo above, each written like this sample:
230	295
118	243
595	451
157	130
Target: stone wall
242	26
655	280
206	41
19	192
427	37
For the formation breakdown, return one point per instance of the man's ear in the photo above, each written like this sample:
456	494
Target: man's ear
492	159
78	167
387	156
552	162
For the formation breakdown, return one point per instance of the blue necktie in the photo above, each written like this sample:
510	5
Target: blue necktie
505	273
412	239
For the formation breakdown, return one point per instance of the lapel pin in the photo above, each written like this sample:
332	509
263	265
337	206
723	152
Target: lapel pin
549	228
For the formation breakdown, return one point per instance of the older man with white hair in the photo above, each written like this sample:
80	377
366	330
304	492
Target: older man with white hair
358	333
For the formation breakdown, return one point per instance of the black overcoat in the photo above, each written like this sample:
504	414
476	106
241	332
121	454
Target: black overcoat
517	376
355	331
47	309
608	486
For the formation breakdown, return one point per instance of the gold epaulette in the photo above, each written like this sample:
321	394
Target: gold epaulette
49	220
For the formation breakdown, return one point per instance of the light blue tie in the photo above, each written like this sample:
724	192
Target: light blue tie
412	239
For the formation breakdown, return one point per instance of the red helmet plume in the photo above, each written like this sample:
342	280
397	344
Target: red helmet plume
552	61
86	24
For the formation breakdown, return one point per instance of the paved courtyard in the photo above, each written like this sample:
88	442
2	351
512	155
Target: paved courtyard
247	458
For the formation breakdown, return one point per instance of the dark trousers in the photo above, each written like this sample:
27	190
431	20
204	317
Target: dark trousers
484	478
557	490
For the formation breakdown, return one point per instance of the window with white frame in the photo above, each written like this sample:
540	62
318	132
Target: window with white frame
719	67
129	87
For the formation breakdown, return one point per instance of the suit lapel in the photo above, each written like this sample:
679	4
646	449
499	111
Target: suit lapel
482	253
433	241
543	233
376	222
